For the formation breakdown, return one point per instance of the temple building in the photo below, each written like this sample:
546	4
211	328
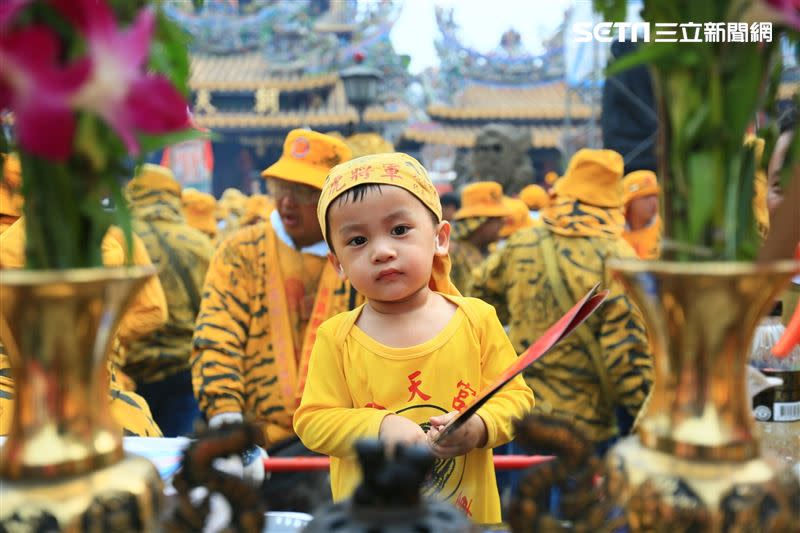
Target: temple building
261	68
508	85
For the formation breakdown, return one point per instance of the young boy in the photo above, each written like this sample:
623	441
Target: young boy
416	352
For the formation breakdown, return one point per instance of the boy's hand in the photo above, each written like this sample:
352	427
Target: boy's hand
469	436
396	428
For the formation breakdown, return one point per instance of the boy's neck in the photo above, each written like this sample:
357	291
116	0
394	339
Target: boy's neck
414	302
414	321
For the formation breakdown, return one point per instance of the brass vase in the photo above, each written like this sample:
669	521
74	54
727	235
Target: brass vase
63	466
695	464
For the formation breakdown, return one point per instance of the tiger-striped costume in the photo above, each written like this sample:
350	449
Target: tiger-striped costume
146	312
514	279
182	254
464	256
238	364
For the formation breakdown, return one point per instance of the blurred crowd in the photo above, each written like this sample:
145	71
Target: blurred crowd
224	332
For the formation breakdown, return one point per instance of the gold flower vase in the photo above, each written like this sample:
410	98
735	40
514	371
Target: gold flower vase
695	464
63	466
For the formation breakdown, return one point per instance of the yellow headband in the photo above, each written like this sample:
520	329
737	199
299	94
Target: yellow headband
397	169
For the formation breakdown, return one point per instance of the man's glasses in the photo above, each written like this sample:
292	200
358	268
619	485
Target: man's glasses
302	194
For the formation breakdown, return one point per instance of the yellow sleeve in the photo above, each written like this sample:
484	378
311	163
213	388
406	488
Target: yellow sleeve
220	335
625	347
6	393
148	310
12	245
132	413
326	420
515	400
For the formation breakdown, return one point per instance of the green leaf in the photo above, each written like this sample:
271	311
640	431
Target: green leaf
747	238
123	218
743	74
703	193
169	52
612	10
651	53
694	125
88	142
4	146
151	143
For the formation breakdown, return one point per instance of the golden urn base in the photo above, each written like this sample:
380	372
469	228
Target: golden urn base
126	496
664	493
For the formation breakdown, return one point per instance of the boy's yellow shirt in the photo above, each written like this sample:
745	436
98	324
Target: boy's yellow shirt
354	382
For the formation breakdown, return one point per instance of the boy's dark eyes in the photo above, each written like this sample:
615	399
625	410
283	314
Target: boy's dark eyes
357	241
400	230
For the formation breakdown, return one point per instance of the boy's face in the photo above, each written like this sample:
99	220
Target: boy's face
385	243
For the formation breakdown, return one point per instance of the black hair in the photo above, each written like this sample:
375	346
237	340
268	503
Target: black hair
452	199
356	194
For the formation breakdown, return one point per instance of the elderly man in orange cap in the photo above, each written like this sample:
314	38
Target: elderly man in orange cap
268	289
642	223
477	225
539	275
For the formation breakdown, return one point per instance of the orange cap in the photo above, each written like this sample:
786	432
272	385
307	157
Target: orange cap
639	183
199	208
535	197
482	199
519	218
594	177
307	158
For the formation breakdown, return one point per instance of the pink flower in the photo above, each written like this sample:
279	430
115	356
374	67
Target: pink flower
8	9
119	90
38	89
788	12
784	13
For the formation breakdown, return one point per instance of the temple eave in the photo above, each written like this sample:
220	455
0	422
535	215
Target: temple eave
294	120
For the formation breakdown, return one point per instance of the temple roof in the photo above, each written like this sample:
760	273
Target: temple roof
464	136
544	101
296	119
249	71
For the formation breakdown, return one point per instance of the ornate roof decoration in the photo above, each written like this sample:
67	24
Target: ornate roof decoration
294	39
542	101
222	27
249	71
296	119
508	64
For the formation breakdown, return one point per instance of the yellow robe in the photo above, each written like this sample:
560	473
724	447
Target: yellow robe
355	381
174	247
465	257
146	312
241	363
515	281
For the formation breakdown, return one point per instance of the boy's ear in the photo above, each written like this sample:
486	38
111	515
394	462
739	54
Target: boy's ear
337	266
442	238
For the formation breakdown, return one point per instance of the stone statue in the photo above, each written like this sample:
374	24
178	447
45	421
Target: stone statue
501	154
